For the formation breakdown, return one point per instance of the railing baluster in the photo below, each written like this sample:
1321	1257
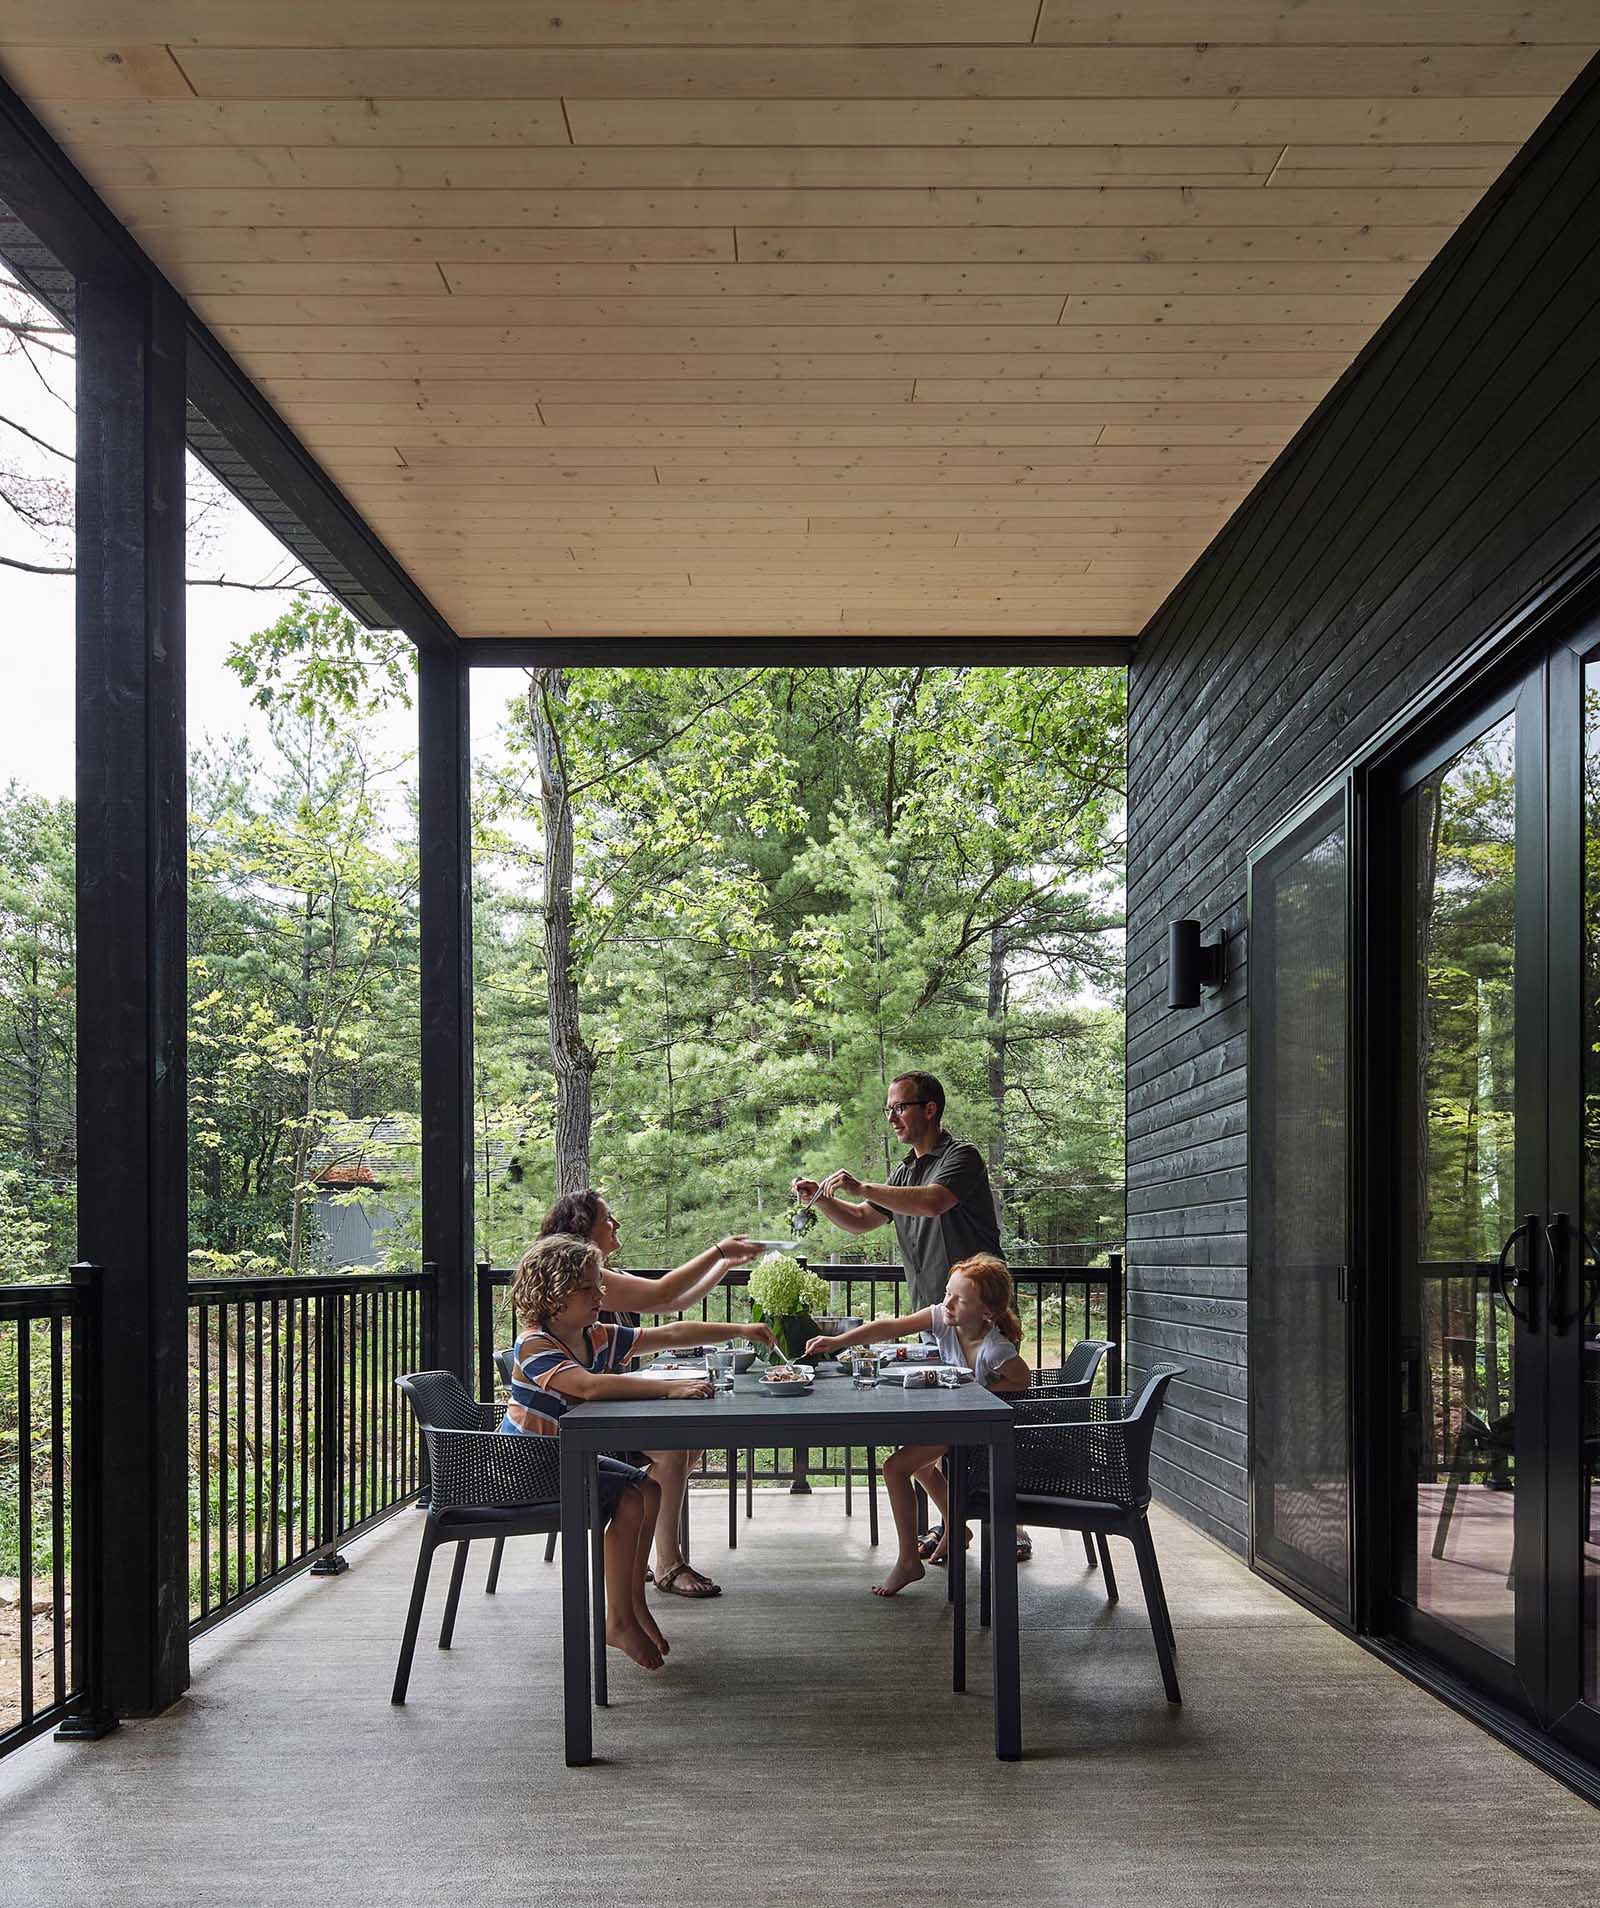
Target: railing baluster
58	1515
204	1456
25	1509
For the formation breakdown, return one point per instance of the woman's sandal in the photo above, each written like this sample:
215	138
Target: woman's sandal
670	1581
929	1542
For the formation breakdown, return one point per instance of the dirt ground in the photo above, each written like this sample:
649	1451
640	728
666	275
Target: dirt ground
44	1643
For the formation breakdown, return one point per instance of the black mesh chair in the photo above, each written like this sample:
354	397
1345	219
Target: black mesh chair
1084	1464
1074	1379
481	1483
503	1363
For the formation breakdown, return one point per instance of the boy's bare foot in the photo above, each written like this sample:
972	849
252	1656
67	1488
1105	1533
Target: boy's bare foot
651	1628
900	1575
633	1643
941	1549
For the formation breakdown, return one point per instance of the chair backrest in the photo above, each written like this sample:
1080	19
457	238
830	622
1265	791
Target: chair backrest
1140	1420
505	1363
1083	1361
441	1400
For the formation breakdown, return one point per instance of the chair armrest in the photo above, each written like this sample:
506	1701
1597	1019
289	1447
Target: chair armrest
493	1470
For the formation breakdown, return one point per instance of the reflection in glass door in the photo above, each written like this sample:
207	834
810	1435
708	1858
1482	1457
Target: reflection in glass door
1457	1538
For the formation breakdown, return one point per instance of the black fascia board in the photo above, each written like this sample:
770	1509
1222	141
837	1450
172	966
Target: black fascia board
73	227
839	652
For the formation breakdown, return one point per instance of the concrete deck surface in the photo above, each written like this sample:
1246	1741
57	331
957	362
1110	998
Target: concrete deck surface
803	1746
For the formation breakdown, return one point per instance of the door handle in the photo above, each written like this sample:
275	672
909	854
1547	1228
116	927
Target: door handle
1504	1286
1557	1235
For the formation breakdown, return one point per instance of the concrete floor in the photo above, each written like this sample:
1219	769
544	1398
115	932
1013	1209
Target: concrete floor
802	1746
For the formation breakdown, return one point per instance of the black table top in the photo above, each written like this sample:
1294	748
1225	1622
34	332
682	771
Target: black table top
832	1410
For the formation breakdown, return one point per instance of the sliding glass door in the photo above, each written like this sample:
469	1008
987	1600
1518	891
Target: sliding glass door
1492	837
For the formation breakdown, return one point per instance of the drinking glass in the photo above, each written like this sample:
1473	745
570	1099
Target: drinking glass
720	1366
864	1370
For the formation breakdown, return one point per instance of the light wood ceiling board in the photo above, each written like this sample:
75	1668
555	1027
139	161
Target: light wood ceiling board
1367	279
134	70
1314	22
628	313
1069	244
1271	373
425	392
505	24
1056	122
142	207
182	247
1425	58
817	406
650	168
1013	341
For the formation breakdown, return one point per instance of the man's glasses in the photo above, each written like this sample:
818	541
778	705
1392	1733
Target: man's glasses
899	1106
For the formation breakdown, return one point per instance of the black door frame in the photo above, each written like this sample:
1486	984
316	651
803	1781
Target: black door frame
1571	604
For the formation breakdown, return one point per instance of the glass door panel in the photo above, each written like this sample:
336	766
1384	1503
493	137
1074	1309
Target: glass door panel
1299	1207
1458	1558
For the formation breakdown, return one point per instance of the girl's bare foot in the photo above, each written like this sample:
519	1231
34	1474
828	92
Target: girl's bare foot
651	1628
633	1643
905	1570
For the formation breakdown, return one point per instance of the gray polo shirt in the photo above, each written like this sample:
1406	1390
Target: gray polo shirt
929	1247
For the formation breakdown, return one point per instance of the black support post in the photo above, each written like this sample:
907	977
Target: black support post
131	791
445	856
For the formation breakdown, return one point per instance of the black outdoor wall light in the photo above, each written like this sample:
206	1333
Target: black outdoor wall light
1191	966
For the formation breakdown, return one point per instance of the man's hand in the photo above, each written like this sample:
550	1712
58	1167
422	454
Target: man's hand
760	1335
805	1190
689	1388
839	1182
737	1249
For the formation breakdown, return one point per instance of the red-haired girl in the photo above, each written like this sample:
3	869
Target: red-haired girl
976	1326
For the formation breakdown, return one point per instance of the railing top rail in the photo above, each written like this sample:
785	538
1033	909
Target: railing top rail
42	1301
285	1285
840	1272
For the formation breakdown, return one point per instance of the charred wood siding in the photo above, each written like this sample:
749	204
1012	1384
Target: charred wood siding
1453	473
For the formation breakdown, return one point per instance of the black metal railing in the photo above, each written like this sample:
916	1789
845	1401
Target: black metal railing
1467	1351
298	1437
1058	1304
48	1460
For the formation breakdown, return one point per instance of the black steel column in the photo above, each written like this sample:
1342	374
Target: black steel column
131	792
445	854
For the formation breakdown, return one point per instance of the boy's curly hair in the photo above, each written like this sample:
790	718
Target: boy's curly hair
549	1272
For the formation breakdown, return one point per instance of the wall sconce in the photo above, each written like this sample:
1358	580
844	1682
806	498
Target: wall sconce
1191	966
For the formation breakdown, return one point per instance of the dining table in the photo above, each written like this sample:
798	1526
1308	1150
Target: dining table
833	1412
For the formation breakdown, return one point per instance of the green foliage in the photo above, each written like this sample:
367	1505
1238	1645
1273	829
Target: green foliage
787	885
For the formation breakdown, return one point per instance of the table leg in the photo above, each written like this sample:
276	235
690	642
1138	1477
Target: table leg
1007	1654
597	1573
575	1605
956	1566
733	1500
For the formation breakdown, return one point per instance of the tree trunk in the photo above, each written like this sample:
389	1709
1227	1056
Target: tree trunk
997	1058
570	1057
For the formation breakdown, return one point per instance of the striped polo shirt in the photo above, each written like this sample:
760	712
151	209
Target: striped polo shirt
534	1407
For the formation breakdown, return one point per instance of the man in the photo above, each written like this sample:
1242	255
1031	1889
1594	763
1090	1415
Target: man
938	1196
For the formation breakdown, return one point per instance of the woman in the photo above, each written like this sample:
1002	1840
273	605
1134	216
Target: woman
585	1215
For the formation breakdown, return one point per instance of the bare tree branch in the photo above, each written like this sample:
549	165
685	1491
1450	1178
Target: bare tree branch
190	582
23	431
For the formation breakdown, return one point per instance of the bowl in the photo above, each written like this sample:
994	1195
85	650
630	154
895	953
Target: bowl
743	1360
788	1387
833	1325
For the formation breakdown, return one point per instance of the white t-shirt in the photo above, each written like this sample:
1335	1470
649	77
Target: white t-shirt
994	1352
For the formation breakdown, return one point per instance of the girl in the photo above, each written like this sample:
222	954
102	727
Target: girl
976	1325
565	1355
586	1215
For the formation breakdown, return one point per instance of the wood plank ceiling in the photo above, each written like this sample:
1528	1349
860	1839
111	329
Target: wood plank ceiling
722	317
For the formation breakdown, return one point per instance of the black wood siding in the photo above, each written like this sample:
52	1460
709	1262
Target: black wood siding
1452	474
